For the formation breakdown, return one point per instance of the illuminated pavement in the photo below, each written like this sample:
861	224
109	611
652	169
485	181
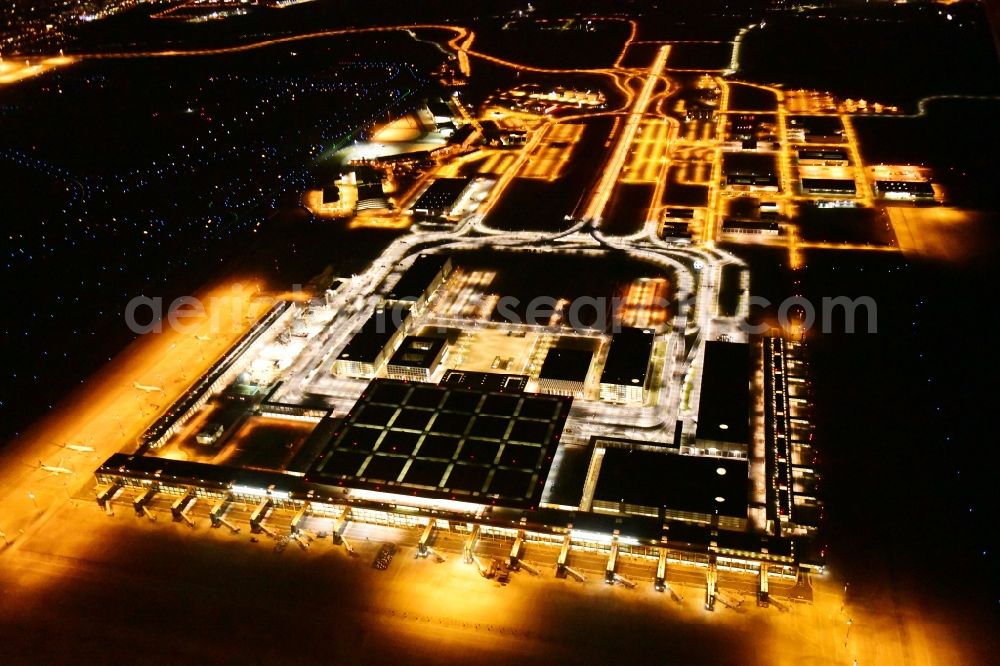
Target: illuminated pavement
107	413
89	575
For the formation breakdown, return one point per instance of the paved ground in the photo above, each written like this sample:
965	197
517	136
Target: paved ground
938	232
81	586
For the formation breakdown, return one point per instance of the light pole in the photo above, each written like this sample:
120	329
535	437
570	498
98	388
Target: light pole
34	501
3	535
849	623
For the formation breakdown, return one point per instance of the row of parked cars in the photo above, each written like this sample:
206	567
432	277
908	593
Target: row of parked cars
384	556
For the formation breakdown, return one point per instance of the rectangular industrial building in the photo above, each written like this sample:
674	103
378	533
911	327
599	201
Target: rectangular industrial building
828	186
438	199
815	129
416	358
564	371
761	228
724	402
823	156
368	350
625	372
675	230
751	171
904	189
670	486
421	279
458	444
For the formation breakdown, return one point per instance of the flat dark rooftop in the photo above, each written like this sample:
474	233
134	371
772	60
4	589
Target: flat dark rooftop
822	125
822	153
751	225
724	405
331	194
566	364
418	277
439	108
672	481
417	351
367	343
569	476
830	184
917	186
442	194
749	164
440	441
628	358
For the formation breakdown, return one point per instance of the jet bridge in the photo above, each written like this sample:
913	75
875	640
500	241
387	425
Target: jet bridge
469	550
711	584
423	545
179	509
660	582
609	570
106	495
259	514
141	502
563	558
300	518
218	513
339	525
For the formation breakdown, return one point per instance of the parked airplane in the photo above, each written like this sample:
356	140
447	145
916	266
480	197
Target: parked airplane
79	448
55	470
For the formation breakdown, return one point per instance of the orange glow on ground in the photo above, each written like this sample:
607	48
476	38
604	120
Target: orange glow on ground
553	154
645	303
313	201
407	128
382	220
13	71
109	413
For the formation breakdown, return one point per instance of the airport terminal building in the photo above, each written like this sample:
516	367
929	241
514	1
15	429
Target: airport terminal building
476	452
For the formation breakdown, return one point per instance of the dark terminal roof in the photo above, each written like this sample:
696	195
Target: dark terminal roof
628	358
439	441
418	277
417	351
724	405
369	342
697	484
566	364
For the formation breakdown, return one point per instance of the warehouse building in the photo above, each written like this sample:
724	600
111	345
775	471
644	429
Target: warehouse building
416	358
377	340
625	375
442	195
421	279
564	371
724	401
